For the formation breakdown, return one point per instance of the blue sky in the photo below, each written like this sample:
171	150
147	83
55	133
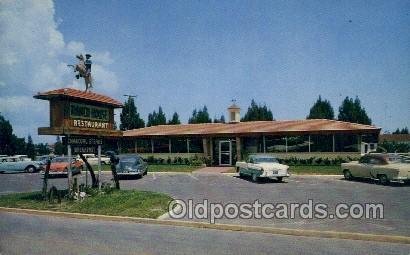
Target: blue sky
184	54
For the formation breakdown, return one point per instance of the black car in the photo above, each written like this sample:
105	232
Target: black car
131	164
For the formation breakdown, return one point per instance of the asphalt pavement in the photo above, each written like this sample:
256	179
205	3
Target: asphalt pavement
224	189
31	234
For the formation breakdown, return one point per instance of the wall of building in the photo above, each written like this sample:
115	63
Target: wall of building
303	146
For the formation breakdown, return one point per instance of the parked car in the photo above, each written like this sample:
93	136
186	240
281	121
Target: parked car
92	159
59	166
381	167
19	163
44	158
131	165
262	166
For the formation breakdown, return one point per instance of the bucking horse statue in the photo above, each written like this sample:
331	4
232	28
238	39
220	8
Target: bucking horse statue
84	70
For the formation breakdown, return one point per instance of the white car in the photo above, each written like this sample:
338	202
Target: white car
262	166
92	159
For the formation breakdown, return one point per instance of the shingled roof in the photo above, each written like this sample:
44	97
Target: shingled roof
78	94
319	126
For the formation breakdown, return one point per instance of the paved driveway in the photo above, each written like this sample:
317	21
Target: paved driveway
297	189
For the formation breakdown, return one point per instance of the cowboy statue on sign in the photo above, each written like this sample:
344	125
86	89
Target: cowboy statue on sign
84	70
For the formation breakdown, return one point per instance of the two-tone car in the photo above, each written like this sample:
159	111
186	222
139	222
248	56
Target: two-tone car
20	163
381	167
262	166
131	165
59	166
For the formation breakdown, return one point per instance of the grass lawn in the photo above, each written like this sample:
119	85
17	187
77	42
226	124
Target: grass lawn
122	203
315	170
159	168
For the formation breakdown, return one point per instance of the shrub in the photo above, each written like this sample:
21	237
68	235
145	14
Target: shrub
318	161
150	159
180	160
169	160
186	161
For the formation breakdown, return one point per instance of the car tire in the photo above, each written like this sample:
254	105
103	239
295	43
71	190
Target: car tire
30	169
255	178
383	180
347	175
280	179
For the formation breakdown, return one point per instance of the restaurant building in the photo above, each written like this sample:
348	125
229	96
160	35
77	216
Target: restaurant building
226	143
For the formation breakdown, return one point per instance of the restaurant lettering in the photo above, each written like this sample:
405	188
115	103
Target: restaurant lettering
90	124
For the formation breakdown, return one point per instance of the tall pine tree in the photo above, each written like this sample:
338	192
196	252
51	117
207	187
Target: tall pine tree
200	116
129	117
174	120
352	111
257	112
322	109
155	119
30	148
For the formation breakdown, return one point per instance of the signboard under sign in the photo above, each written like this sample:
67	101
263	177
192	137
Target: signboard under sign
83	144
82	141
84	150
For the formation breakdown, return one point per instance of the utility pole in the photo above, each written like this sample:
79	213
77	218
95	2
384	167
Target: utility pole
126	95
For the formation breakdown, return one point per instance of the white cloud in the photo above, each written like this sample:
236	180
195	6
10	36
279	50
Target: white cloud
33	57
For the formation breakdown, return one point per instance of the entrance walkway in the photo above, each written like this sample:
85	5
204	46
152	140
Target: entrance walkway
216	169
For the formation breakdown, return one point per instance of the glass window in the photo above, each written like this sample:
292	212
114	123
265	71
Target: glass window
374	161
253	144
195	145
346	143
321	143
143	146
275	143
179	145
364	160
161	145
298	143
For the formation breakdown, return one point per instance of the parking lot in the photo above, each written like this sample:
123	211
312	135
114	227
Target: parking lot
225	189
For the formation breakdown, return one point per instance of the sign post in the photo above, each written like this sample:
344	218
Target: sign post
69	173
99	167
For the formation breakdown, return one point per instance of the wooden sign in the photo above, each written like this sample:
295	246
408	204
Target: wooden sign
83	144
75	112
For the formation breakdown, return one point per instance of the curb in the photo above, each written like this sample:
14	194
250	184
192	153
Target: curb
230	227
298	175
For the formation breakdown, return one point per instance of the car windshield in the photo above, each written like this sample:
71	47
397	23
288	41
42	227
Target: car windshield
397	159
265	160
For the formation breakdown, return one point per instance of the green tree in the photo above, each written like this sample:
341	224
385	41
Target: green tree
19	145
200	116
321	109
402	131
155	119
42	149
220	120
6	137
59	148
174	120
257	112
129	117
352	111
30	149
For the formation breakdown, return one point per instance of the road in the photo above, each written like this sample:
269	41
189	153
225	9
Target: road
29	234
229	189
